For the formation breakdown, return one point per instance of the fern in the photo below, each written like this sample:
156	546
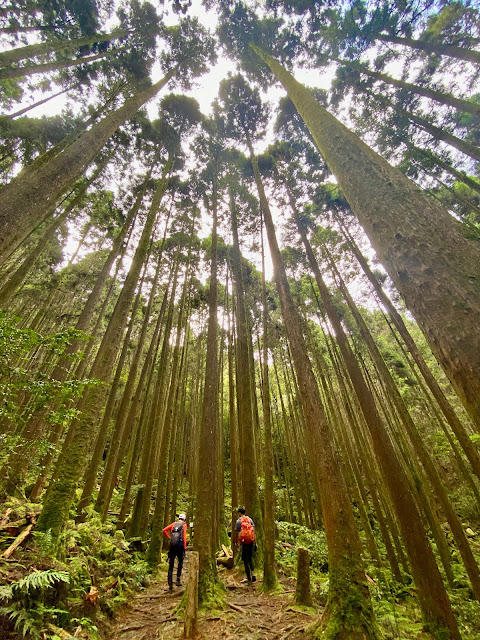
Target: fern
44	541
39	580
25	620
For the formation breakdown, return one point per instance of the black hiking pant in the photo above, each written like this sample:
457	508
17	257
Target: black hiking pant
175	552
247	557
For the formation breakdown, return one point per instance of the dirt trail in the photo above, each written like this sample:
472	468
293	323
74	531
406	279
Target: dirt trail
250	614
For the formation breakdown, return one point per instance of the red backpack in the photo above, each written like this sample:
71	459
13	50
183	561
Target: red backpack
247	532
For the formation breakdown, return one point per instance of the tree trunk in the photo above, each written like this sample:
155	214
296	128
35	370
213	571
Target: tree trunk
24	201
248	458
431	591
349	608
436	48
50	46
438	133
35	69
435	269
443	98
447	410
70	466
270	580
19	113
17	278
207	449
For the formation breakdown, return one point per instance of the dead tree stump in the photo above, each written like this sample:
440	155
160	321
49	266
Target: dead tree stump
302	592
191	605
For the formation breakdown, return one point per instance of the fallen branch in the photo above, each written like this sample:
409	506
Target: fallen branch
235	607
61	633
18	541
14	525
293	630
4	517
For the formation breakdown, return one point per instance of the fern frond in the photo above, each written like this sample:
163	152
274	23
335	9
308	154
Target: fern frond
39	580
6	593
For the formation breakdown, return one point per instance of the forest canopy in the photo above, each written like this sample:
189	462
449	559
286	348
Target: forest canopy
240	266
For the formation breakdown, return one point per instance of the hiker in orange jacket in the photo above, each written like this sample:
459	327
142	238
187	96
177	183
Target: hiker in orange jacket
178	544
245	536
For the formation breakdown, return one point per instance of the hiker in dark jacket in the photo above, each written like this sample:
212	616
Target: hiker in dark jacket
178	544
245	536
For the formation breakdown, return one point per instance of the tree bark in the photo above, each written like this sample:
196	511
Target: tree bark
438	96
24	201
349	608
437	48
42	48
435	269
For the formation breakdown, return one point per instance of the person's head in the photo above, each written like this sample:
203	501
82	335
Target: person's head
241	510
183	517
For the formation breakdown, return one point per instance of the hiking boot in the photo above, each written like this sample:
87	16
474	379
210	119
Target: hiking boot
170	587
249	583
178	583
254	578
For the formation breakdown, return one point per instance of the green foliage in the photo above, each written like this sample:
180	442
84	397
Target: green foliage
16	347
24	601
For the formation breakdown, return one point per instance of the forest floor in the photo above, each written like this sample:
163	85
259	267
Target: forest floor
249	613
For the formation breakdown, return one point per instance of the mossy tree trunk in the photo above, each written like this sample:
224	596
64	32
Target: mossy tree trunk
71	463
248	456
435	269
207	447
420	450
51	46
348	612
446	408
270	580
431	590
25	200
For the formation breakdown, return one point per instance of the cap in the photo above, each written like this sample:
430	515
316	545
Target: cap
182	516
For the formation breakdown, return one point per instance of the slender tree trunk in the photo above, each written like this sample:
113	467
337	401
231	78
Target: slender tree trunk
90	475
50	46
61	491
447	410
349	610
167	439
270	580
21	112
207	463
436	48
436	269
431	590
418	445
23	202
232	421
438	133
248	458
456	173
34	69
464	106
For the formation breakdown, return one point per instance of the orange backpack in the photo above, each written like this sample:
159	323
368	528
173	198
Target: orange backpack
247	532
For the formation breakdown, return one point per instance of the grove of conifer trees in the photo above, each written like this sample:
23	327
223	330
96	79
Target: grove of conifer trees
270	300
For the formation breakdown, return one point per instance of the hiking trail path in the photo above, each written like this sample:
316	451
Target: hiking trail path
249	613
